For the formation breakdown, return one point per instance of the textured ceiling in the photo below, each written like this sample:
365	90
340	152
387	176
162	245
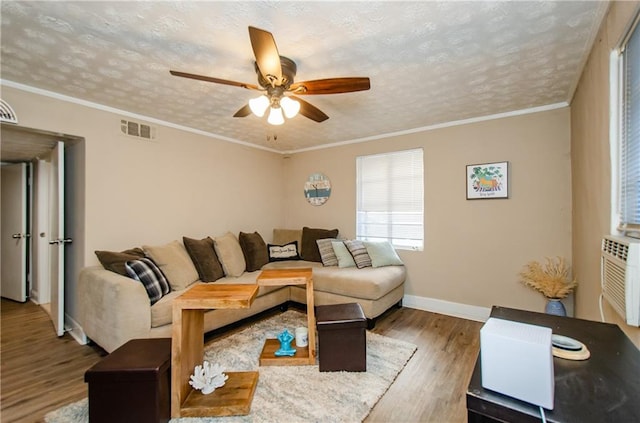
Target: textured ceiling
429	62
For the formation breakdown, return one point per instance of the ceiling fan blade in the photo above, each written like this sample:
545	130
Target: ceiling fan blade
309	110
266	53
243	112
331	86
216	80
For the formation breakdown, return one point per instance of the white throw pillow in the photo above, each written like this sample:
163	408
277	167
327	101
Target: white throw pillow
175	263
382	253
230	254
283	252
342	253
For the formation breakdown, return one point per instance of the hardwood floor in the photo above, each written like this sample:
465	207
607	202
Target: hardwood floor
432	386
41	372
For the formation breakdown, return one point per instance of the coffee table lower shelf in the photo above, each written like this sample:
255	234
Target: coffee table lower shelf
268	357
232	399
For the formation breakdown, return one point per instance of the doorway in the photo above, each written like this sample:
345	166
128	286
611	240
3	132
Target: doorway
36	147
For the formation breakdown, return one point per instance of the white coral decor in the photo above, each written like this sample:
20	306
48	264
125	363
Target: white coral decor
208	377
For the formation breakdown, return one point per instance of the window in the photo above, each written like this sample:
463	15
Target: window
629	130
390	201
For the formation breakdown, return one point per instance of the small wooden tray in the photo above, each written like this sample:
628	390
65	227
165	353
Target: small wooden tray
268	357
581	354
232	399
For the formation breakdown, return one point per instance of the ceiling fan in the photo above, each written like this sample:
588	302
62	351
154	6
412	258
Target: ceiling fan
276	80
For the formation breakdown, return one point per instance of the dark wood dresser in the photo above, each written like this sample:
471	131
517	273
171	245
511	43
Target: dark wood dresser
604	388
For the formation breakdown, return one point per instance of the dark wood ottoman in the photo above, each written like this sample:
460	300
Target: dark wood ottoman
132	384
342	340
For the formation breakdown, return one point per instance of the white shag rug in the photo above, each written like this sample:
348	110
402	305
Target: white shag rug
291	393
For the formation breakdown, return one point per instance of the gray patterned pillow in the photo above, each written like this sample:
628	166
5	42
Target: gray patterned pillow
144	270
359	253
327	254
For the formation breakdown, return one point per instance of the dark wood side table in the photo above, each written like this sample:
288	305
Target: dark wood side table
604	388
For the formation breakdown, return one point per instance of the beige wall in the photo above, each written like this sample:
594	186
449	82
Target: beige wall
151	192
187	184
591	166
474	249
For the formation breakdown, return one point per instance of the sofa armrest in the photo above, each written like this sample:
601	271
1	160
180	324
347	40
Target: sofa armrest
112	308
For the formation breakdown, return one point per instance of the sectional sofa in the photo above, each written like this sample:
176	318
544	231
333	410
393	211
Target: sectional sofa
114	308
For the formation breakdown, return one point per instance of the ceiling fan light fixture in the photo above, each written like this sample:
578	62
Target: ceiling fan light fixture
290	107
276	76
275	116
259	105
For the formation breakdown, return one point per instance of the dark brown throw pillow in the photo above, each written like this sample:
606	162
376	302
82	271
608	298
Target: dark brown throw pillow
309	250
204	258
254	250
114	261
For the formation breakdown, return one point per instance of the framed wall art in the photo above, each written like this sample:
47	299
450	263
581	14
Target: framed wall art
317	189
488	181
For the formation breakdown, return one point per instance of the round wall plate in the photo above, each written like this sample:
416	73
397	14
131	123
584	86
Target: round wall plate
317	189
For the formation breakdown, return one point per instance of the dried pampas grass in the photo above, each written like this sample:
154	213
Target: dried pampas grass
552	279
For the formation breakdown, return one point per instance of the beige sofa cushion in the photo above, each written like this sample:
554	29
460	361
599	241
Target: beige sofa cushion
161	312
292	264
285	236
175	263
230	254
369	283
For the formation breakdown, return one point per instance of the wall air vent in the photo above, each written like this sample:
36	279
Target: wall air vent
6	113
139	130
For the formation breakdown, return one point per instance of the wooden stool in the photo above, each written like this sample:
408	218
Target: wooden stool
342	341
132	384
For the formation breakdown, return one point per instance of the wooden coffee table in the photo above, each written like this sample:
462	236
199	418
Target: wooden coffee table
304	355
187	351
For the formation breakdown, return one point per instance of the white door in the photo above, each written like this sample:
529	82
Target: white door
57	239
13	284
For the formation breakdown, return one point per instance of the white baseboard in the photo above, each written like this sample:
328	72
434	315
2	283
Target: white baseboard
75	330
464	311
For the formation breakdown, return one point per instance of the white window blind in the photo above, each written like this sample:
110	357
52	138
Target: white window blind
630	135
390	200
